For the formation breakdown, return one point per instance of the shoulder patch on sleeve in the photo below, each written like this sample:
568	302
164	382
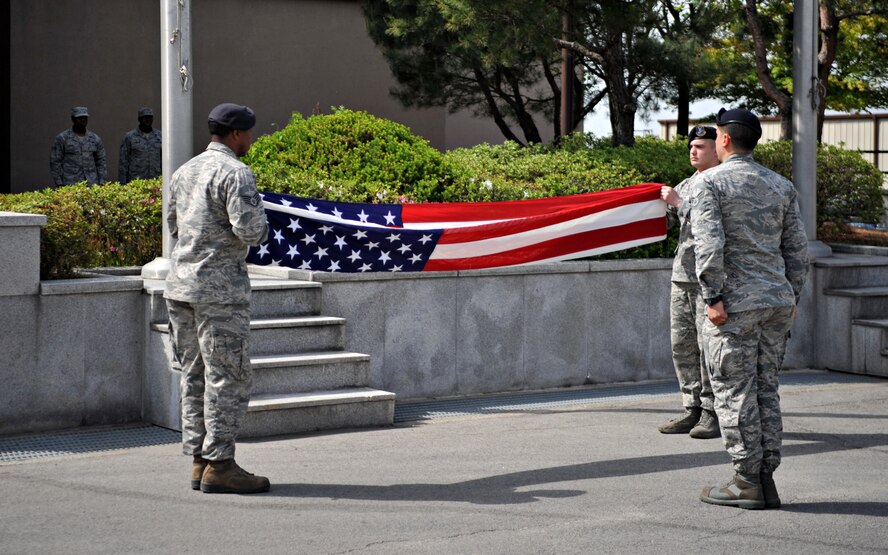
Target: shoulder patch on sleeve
253	200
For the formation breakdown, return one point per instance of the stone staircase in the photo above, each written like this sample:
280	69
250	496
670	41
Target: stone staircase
853	334
303	379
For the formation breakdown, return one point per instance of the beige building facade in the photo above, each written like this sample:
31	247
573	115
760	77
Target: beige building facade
865	133
277	56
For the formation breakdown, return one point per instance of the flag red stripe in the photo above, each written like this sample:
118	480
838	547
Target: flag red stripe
579	242
501	210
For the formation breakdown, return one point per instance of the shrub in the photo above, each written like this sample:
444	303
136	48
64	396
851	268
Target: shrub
848	187
354	156
107	225
654	159
511	172
349	156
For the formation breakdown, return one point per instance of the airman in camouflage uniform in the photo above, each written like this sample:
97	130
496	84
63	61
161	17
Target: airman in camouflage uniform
78	154
686	309
752	262
215	214
140	150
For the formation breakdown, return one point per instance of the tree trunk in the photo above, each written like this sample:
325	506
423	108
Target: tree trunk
829	45
622	115
620	101
494	109
556	98
763	71
524	118
579	104
684	108
786	123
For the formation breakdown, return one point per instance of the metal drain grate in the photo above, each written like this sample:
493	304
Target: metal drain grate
23	448
430	410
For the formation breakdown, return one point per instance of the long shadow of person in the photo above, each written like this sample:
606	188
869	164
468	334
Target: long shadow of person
509	488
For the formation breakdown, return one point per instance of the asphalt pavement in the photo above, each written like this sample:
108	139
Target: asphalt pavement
589	476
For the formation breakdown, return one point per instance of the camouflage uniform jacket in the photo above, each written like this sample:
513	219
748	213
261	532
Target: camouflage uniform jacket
683	270
215	213
74	159
750	244
140	156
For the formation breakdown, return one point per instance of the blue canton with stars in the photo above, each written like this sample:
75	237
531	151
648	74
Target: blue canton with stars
310	244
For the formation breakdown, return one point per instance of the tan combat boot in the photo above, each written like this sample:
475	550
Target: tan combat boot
197	470
682	424
707	427
742	491
227	477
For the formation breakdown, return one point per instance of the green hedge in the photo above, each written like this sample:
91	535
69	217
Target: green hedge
848	187
349	156
354	156
87	227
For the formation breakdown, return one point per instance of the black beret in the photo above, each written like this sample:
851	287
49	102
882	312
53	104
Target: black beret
740	116
701	132
233	116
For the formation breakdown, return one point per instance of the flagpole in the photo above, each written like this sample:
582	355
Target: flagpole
805	101
176	110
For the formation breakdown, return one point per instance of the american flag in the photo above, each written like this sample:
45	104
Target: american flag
330	236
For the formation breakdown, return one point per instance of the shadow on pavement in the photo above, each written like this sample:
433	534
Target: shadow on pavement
863	508
504	488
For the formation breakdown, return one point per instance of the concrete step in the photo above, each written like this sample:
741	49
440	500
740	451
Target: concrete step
299	334
276	297
854	270
296	335
869	346
857	302
270	298
304	372
277	414
839	308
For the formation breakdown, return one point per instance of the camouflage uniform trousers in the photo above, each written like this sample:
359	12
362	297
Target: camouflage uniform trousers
686	316
745	355
210	345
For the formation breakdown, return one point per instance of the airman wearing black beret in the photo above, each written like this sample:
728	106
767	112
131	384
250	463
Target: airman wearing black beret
234	116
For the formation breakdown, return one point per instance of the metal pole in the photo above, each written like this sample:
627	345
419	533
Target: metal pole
176	109
805	101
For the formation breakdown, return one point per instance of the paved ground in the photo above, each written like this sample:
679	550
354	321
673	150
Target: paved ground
582	478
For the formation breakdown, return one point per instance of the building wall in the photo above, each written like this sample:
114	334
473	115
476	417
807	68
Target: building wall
867	133
277	56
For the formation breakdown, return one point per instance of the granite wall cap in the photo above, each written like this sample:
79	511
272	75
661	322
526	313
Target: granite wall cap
567	267
17	219
97	284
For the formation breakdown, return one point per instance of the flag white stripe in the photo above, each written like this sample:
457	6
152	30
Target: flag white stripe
599	250
607	218
312	215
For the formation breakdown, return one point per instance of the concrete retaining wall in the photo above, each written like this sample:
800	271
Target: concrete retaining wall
569	323
73	352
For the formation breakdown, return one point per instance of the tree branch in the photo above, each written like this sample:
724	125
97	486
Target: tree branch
780	98
580	49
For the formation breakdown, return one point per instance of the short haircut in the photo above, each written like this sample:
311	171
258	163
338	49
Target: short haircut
218	129
742	137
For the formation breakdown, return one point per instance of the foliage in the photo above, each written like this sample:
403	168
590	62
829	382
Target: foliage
852	62
849	189
496	59
349	156
510	172
654	159
859	79
108	225
353	156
